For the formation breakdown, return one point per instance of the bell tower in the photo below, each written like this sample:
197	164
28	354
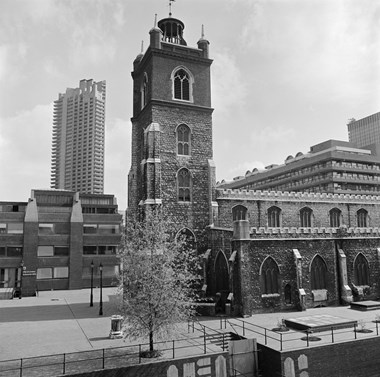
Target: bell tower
172	155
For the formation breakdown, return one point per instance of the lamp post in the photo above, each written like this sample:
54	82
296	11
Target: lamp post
92	283
21	273
101	289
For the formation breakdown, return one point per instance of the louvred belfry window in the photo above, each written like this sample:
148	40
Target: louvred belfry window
184	182
182	85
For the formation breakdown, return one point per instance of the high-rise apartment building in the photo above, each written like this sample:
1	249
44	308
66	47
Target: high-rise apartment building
366	131
78	138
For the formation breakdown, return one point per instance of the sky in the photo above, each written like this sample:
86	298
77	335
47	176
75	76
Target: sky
286	75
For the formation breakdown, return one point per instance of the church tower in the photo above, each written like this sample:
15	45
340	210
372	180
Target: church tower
172	156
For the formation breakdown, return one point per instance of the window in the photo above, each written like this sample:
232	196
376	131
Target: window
15	228
50	229
288	294
90	228
61	272
52	273
44	273
318	273
14	251
274	217
181	84
184	182
362	216
305	217
108	229
144	91
183	140
361	270
106	250
269	277
239	212
45	251
335	215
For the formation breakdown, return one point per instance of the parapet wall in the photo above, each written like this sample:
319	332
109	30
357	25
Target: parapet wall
294	196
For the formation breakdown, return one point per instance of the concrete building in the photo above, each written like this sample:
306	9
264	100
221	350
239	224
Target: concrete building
54	237
78	138
332	166
364	132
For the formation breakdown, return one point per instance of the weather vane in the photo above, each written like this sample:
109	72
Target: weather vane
170	7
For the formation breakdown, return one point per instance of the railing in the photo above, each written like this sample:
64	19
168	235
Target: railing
293	339
75	362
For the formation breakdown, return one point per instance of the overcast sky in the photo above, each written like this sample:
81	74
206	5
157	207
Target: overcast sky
286	75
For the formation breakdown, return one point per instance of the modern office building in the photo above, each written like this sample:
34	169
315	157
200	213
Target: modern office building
364	132
58	239
332	166
78	139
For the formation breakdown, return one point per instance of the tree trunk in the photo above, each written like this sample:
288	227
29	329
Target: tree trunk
151	341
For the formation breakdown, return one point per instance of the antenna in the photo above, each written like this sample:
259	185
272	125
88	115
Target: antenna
170	7
142	47
155	20
203	32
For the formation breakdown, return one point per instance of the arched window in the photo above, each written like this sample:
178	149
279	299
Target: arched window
361	270
306	217
183	140
269	277
144	91
239	212
318	273
335	215
274	217
362	216
221	273
187	236
182	85
184	185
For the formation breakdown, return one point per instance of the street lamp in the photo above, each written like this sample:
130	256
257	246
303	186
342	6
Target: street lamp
92	283
101	289
21	273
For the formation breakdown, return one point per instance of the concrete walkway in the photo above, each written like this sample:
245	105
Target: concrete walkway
63	322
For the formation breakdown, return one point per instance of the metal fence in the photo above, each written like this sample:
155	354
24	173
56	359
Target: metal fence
105	358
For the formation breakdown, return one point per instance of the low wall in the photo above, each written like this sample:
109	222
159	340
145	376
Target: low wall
210	365
358	358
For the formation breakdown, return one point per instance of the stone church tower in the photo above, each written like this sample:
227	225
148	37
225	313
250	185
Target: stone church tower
172	151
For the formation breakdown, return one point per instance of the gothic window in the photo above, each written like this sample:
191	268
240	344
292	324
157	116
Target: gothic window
305	217
274	217
318	273
269	277
187	236
239	212
361	270
362	216
184	185
182	84
221	273
144	91
335	215
183	140
288	294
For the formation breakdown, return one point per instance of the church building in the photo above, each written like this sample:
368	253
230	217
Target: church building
262	250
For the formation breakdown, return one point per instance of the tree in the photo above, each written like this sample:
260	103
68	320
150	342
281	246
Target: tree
158	278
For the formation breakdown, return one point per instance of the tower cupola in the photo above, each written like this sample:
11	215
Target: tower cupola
172	30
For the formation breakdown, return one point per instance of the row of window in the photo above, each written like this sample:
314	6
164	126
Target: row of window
274	216
271	278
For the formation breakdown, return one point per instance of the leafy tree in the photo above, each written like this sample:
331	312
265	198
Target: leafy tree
158	278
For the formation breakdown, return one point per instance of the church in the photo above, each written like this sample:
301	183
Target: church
262	251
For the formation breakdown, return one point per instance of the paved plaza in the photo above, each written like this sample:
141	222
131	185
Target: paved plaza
63	322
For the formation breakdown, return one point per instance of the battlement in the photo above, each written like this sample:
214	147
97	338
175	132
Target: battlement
294	196
342	232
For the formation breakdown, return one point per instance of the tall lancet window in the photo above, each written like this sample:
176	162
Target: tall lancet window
144	91
184	185
183	140
182	85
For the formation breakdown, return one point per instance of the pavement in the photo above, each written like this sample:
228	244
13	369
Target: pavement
62	322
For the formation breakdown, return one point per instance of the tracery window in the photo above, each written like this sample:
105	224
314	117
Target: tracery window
182	85
274	217
269	277
239	212
183	140
306	217
362	216
335	215
318	272
361	270
184	185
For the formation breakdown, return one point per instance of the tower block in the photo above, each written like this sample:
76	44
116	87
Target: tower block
172	156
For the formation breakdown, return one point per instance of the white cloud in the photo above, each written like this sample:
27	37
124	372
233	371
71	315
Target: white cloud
25	152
